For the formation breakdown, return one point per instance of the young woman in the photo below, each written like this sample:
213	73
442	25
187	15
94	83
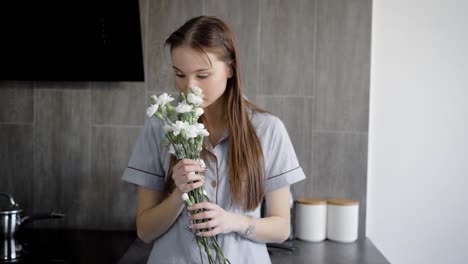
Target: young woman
248	154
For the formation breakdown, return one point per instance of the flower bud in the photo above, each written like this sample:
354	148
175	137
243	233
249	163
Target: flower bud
201	163
197	91
159	115
186	199
153	99
198	111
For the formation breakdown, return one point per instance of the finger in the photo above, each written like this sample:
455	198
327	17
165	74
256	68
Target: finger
187	187
190	168
181	177
180	182
209	224
195	185
194	177
204	215
184	162
206	205
212	232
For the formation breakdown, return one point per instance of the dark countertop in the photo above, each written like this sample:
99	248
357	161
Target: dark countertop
73	246
86	246
328	252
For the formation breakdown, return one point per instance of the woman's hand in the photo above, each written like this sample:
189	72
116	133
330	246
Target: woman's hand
184	175
219	220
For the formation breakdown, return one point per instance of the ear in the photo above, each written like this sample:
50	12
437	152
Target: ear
230	71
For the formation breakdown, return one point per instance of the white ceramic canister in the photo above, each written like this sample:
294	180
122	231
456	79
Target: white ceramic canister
311	219
342	220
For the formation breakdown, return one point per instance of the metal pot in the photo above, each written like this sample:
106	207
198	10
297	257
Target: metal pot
11	219
10	250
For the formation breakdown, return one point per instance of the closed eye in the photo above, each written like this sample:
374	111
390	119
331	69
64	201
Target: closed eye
201	76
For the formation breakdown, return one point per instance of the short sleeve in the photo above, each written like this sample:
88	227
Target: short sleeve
281	165
146	165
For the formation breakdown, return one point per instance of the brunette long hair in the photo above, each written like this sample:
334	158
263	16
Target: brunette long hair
246	165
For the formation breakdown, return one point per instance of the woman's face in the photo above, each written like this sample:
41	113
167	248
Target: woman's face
192	68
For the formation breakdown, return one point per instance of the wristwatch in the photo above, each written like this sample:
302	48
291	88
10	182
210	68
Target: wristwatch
250	229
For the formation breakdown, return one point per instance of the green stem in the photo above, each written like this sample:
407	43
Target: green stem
219	250
207	249
199	250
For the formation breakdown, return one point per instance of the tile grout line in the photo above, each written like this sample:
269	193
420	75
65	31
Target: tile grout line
259	35
314	81
147	48
69	89
35	106
115	126
18	123
91	121
348	132
146	53
314	87
286	96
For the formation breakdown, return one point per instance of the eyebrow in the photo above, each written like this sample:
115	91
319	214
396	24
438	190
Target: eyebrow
199	70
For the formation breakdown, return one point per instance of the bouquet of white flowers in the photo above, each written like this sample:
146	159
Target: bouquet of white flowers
184	137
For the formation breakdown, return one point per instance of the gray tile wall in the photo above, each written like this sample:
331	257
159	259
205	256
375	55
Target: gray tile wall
64	146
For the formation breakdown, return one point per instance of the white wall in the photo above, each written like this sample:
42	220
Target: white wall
418	136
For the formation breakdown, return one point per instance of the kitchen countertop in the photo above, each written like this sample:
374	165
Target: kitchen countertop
73	246
86	246
328	252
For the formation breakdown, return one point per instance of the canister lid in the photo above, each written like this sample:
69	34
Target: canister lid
341	201
304	200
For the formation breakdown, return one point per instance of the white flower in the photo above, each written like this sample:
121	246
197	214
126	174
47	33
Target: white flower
167	128
197	91
204	193
185	197
183	108
172	149
200	130
164	98
150	111
178	127
194	99
199	111
191	131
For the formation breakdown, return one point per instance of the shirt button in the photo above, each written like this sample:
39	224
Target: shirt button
213	159
213	183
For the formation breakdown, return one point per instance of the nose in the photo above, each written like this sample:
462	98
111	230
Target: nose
184	84
191	82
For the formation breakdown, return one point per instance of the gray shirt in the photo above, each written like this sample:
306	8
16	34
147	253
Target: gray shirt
148	167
